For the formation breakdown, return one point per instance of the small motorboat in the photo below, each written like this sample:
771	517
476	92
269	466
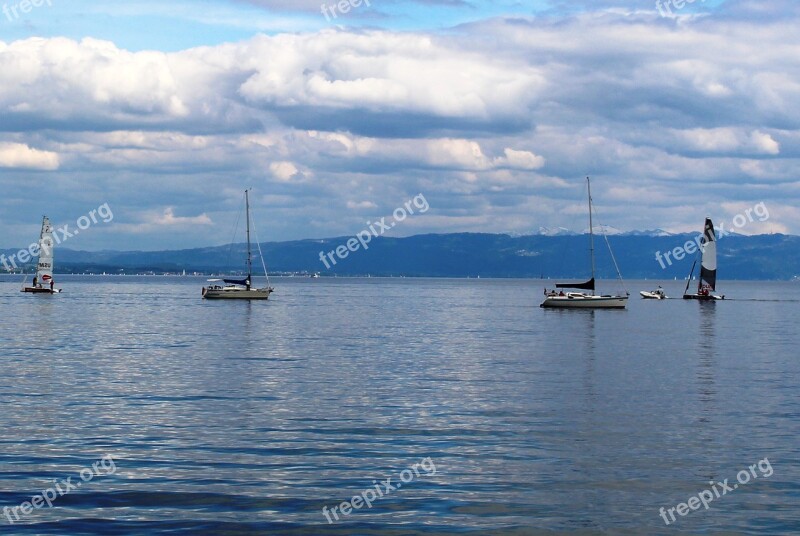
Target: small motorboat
657	294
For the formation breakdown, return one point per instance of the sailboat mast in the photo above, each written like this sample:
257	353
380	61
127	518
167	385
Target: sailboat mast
591	227
689	281
249	252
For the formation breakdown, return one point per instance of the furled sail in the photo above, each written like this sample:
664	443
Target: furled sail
708	266
243	282
44	270
589	285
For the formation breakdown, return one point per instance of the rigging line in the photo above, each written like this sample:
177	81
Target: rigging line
613	258
261	255
689	279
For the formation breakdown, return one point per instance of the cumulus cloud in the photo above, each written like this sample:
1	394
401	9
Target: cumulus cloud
728	140
60	77
168	218
355	205
521	160
764	143
283	171
19	155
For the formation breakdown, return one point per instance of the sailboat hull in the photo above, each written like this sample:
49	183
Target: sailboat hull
702	297
236	294
584	301
33	290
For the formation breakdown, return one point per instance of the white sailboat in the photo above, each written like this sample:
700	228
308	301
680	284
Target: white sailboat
240	289
43	282
708	268
582	300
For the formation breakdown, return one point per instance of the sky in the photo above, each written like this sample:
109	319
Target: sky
495	112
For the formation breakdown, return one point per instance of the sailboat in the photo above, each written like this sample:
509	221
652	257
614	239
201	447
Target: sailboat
43	282
240	289
582	300
708	268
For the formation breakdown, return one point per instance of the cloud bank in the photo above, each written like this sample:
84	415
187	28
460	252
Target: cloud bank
496	121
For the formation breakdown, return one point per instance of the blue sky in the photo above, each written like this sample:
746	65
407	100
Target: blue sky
176	25
495	111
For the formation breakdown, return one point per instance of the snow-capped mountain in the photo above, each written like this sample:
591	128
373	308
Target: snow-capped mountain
613	231
554	231
649	232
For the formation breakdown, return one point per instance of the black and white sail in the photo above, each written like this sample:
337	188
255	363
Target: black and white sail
708	265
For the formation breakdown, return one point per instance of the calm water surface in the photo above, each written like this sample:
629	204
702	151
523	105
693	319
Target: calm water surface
249	418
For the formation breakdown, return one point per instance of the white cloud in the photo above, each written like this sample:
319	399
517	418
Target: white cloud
168	218
64	78
521	160
354	205
19	155
283	171
728	140
764	143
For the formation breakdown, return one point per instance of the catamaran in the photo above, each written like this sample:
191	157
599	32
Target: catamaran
708	268
582	300
43	282
241	289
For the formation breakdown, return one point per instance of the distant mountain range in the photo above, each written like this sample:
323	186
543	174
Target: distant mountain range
599	229
550	254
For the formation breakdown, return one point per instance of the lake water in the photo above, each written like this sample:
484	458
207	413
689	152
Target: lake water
249	418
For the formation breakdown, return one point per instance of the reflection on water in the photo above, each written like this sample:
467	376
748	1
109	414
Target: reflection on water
706	353
245	417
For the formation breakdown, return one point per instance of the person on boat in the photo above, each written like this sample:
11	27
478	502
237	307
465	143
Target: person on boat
35	280
52	284
561	293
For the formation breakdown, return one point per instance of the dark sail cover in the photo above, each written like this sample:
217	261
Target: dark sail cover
589	285
708	267
243	282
